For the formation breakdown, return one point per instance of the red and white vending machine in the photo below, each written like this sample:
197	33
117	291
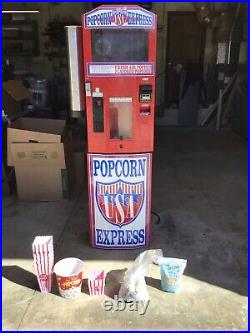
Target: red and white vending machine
119	54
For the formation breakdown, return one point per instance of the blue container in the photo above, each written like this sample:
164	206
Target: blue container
171	272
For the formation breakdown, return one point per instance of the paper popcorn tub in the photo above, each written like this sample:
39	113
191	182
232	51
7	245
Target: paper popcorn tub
43	254
96	282
69	276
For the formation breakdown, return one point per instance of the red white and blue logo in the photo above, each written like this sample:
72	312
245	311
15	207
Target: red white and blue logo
120	202
119	16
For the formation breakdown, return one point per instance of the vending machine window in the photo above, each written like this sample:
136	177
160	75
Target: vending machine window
107	46
120	117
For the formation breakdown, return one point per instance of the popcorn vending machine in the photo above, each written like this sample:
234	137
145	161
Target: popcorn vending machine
119	55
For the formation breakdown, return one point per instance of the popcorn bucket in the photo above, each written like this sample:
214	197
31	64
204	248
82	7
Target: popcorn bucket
69	276
96	282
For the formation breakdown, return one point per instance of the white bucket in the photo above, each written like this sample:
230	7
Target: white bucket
69	275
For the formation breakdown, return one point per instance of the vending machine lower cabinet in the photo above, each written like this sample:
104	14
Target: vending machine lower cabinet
119	187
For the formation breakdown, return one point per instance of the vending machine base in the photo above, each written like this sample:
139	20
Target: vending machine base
119	188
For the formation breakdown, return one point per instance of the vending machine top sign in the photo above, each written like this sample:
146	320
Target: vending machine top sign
119	16
119	47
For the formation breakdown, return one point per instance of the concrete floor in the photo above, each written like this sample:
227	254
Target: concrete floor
200	192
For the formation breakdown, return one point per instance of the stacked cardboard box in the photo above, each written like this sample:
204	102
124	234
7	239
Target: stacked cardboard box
40	150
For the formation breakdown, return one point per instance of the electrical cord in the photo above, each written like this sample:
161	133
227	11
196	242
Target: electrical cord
158	217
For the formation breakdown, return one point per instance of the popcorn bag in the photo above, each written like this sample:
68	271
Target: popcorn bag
43	254
69	277
96	282
171	272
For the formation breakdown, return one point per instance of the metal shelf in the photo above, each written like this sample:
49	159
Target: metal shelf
33	46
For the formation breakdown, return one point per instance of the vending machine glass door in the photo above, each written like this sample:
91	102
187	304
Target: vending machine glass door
107	46
120	117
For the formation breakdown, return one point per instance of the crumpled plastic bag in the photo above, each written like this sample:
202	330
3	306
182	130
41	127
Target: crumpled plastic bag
134	286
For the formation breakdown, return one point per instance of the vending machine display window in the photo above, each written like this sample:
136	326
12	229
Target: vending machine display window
120	118
107	46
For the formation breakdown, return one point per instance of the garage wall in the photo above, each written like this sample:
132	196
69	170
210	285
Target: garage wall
41	65
162	9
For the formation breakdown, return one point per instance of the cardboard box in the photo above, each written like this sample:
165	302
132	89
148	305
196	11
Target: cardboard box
14	92
40	150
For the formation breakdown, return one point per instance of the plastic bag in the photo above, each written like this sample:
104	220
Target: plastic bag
171	272
134	284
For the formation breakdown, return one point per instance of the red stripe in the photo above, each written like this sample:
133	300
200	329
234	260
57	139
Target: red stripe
40	266
35	262
48	269
44	265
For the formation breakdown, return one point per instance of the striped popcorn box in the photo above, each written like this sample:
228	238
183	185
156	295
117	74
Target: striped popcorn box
43	254
96	282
